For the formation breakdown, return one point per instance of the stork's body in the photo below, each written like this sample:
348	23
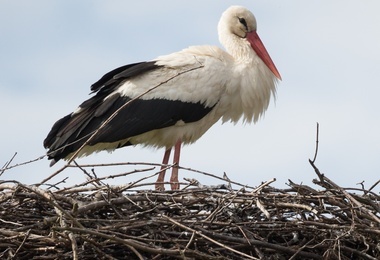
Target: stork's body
174	99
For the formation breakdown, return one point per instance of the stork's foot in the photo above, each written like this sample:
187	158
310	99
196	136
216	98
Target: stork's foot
160	187
160	181
174	183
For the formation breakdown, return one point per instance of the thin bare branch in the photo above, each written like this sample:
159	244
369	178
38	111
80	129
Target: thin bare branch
316	144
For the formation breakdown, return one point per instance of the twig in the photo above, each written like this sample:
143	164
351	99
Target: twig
215	176
372	187
6	165
49	198
22	244
52	175
189	243
10	222
74	245
126	242
299	206
316	144
137	253
300	249
324	179
261	186
115	164
276	247
262	208
208	238
55	185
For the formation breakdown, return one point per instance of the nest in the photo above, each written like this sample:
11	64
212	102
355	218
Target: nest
94	220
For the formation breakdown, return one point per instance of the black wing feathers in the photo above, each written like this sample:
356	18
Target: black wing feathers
49	140
123	72
139	116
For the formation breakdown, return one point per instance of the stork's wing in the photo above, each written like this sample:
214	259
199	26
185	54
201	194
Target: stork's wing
179	96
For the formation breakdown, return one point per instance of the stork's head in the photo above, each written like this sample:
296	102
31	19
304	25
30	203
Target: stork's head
237	30
238	20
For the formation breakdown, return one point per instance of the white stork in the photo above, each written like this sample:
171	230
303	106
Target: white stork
174	99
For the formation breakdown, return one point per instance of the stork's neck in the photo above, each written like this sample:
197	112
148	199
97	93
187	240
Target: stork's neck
238	48
257	83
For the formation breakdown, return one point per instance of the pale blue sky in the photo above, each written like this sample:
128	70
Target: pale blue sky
326	51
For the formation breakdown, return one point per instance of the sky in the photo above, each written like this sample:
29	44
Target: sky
326	51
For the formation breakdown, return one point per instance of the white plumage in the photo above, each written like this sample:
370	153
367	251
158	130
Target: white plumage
175	98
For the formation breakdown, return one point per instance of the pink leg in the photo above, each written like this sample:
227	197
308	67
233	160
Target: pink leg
174	183
161	175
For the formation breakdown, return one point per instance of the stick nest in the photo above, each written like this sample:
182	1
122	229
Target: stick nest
98	221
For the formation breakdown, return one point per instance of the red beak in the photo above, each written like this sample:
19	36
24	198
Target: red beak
259	48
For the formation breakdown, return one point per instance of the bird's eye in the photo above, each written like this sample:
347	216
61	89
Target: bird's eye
243	22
